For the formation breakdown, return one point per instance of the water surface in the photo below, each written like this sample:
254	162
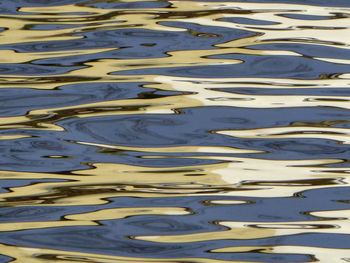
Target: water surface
174	131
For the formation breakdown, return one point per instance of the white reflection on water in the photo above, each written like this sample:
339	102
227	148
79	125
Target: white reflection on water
174	131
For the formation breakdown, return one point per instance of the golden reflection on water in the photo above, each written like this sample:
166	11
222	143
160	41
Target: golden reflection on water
231	173
34	255
273	178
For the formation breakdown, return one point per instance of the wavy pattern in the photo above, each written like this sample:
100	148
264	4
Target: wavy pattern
174	131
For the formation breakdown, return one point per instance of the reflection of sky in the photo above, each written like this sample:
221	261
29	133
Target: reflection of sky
161	130
174	131
108	238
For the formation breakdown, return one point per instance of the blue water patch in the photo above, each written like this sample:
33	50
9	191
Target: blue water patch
110	236
292	67
18	101
29	69
307	17
6	259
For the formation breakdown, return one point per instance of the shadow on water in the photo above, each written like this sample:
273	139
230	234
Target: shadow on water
174	131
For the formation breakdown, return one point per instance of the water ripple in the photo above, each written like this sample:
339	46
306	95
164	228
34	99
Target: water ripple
174	131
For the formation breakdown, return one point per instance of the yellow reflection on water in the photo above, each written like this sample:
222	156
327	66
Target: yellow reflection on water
234	176
90	219
36	255
230	176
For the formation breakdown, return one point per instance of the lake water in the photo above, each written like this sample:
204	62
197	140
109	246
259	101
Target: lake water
174	131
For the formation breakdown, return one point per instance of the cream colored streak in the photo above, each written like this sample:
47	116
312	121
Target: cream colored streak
203	92
274	178
181	149
341	135
252	230
321	254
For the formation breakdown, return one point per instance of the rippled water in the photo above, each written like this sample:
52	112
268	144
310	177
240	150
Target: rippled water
174	131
